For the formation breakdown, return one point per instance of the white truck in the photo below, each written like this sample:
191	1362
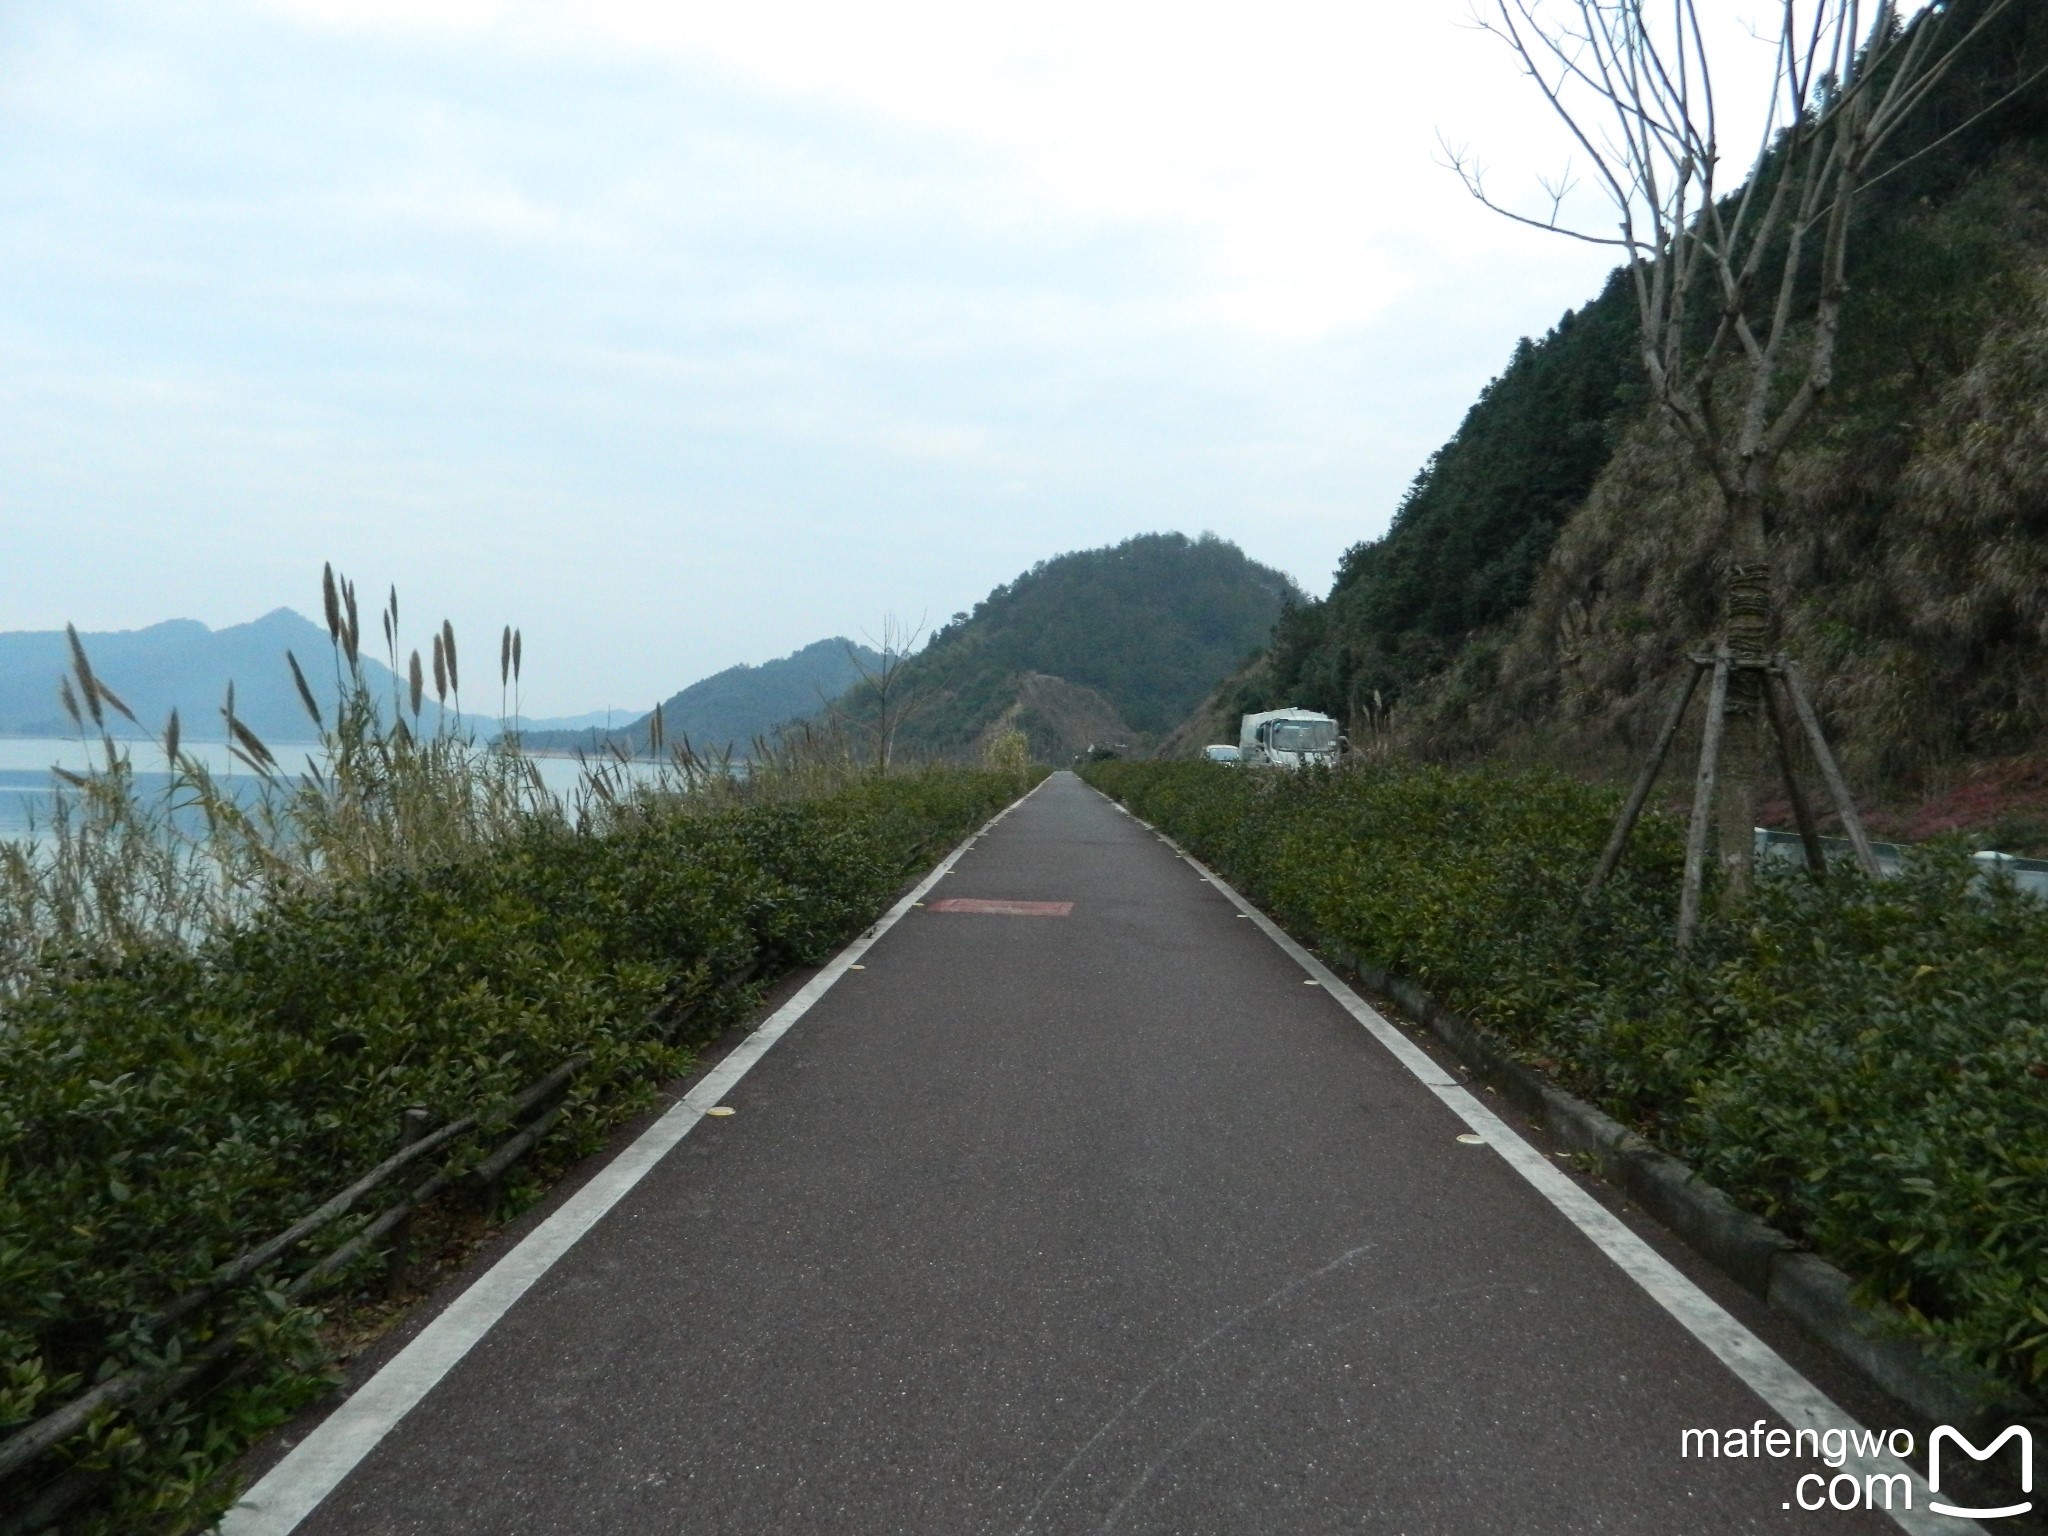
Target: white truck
1289	738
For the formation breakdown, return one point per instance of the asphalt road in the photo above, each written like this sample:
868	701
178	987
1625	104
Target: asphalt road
1099	1222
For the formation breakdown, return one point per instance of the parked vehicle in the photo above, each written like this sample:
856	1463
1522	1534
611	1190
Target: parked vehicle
1289	738
1222	752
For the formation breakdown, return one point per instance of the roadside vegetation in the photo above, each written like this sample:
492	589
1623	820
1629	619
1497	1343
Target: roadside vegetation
1865	1063
218	1003
1556	561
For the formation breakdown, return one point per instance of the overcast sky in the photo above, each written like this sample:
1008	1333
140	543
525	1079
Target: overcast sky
683	334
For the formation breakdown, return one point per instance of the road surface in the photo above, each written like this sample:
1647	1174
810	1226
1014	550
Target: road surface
1103	1220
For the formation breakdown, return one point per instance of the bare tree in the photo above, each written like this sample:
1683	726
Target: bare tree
884	682
1738	286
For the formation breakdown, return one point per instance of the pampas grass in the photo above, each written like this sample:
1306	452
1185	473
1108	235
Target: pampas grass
118	867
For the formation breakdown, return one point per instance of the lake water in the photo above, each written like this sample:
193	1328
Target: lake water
28	787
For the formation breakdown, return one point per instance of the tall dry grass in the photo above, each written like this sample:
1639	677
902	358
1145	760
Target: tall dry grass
393	782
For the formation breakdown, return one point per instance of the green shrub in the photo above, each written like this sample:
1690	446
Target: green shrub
1865	1063
163	1109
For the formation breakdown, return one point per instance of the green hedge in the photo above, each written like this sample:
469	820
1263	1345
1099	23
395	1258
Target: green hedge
163	1113
1865	1063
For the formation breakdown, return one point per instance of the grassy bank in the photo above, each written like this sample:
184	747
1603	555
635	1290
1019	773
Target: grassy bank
217	1004
1864	1063
167	1109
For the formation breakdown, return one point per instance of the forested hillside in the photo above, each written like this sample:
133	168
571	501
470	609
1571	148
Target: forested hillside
1124	641
1553	562
1478	520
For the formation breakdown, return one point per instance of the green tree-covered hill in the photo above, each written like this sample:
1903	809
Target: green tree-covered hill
1554	561
1137	633
1478	520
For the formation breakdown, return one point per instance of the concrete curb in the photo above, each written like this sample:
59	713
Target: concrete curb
1801	1285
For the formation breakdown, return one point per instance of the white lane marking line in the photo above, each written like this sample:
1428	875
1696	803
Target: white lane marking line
293	1488
1759	1367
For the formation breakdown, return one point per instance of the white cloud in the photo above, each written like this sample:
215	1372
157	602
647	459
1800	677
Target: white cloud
686	335
1295	146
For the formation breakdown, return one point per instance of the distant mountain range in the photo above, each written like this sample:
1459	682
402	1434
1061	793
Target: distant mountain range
590	719
726	711
1098	647
182	664
179	664
1103	645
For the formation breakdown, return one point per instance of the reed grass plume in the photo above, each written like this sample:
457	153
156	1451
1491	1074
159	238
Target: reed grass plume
116	866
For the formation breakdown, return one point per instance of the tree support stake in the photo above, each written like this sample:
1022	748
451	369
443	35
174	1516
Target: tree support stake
1703	801
1830	770
1632	812
1802	809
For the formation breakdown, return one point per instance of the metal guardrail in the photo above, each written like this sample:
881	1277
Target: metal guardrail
2030	875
